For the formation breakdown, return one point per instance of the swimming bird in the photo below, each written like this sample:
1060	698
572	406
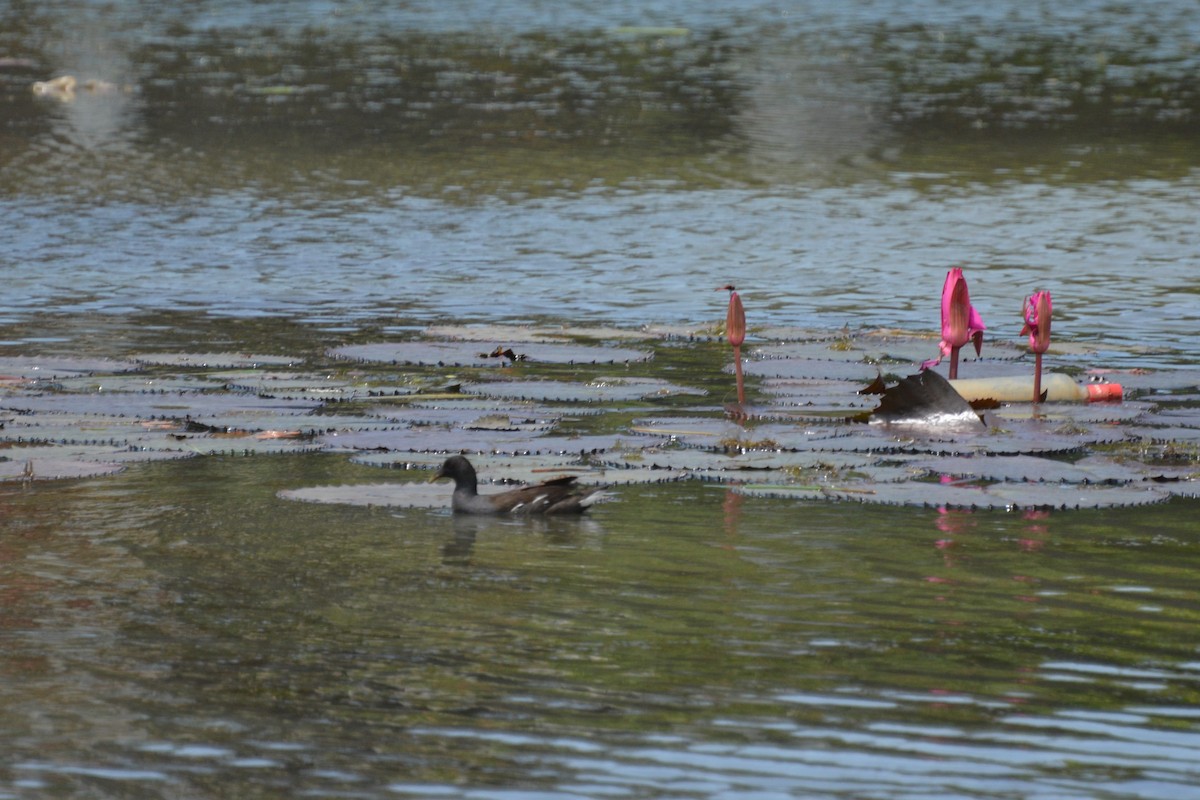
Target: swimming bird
557	496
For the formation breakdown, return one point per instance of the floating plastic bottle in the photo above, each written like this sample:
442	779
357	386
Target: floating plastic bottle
1055	386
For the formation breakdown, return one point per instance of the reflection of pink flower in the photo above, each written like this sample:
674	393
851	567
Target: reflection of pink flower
961	323
951	521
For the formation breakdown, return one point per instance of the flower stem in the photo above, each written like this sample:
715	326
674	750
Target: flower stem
737	365
1037	377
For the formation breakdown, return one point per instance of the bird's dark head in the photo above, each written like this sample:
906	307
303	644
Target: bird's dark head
458	469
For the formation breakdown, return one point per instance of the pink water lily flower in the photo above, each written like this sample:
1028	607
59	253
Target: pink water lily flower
1036	312
961	323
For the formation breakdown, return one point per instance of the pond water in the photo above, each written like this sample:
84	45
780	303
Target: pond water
283	178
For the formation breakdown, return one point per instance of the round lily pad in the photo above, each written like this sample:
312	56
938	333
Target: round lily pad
164	450
491	333
1010	497
817	393
812	368
396	495
248	445
216	360
518	333
601	390
293	385
177	405
484	463
79	429
29	467
432	439
745	466
1023	468
1152	380
32	367
133	384
461	414
470	354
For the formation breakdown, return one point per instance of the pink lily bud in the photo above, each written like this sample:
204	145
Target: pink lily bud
1036	311
735	319
961	323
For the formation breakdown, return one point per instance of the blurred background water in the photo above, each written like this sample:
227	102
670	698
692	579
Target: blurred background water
284	176
354	160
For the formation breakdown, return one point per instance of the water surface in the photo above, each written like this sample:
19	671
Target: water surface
283	178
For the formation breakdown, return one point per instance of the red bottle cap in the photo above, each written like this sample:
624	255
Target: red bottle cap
1098	392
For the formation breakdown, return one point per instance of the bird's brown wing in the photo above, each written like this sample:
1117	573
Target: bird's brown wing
533	499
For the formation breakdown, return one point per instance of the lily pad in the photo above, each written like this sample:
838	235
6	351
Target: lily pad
754	465
1010	497
216	360
108	454
130	384
1176	417
708	430
692	460
462	414
248	445
1081	413
293	385
46	367
600	390
726	436
432	439
1152	380
492	333
812	368
869	350
1166	435
177	405
484	463
517	333
50	468
815	394
469	354
81	429
394	495
1022	468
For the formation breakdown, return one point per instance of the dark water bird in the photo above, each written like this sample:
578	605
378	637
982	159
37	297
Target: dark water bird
557	496
923	399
